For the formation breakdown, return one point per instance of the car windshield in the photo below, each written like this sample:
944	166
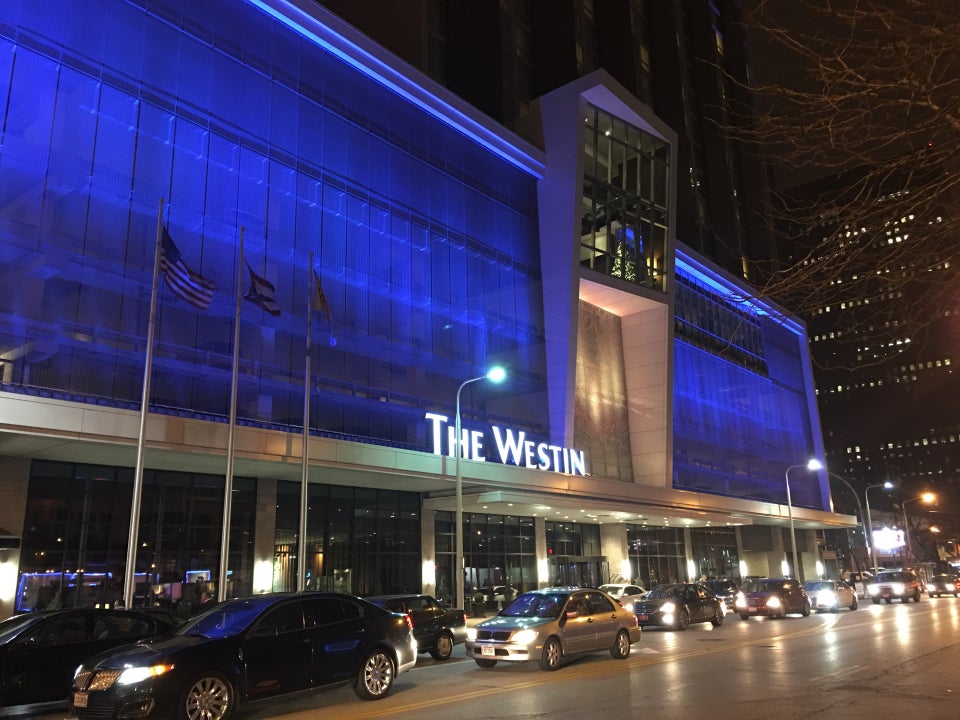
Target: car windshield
722	585
225	619
819	585
892	577
546	605
753	586
666	591
613	589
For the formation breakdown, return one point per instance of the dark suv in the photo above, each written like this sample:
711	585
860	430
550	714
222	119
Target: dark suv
890	584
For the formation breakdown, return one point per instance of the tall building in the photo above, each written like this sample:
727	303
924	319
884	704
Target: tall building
169	161
688	60
880	382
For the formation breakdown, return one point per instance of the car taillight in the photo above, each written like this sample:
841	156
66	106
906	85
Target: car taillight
409	621
463	618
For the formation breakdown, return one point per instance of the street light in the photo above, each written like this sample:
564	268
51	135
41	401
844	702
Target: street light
927	498
855	497
495	375
866	496
813	464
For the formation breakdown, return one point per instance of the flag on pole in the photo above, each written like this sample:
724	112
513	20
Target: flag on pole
320	304
262	293
185	283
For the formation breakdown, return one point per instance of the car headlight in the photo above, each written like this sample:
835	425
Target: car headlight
773	602
668	607
524	637
471	634
741	600
628	606
897	588
133	675
826	597
873	589
931	588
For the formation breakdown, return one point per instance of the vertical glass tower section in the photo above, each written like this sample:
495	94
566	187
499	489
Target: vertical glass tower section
625	214
425	241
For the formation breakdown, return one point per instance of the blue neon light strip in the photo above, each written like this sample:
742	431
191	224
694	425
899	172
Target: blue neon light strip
301	20
692	268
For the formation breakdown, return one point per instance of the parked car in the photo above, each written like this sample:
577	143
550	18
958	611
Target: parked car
891	584
248	649
624	593
830	594
943	585
772	597
679	604
40	650
725	589
553	624
436	628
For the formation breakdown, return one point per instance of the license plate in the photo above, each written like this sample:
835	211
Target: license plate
80	699
487	650
643	617
751	607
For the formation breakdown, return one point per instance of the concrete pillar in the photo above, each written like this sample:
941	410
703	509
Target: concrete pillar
428	556
540	545
264	535
14	484
613	546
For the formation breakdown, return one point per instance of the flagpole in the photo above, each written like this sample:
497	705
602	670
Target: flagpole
133	536
228	481
302	546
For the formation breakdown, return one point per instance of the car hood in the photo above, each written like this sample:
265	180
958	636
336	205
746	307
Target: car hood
500	622
147	652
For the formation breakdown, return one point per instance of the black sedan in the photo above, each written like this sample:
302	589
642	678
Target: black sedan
40	650
249	649
677	605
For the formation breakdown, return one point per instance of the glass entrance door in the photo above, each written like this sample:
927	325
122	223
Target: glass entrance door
585	571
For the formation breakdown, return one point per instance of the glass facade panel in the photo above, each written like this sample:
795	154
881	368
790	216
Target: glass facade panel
498	550
426	243
715	552
656	554
360	541
625	201
741	414
74	547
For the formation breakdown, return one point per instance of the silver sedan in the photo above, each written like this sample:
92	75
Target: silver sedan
551	624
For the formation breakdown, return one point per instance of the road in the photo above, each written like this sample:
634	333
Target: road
881	661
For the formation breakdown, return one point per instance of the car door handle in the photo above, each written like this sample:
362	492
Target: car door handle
589	619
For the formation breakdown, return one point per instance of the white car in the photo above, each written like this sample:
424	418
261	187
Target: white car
830	595
624	593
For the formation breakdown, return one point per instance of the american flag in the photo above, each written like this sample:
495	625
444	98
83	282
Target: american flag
185	283
262	293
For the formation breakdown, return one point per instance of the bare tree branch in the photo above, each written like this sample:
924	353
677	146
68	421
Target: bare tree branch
868	95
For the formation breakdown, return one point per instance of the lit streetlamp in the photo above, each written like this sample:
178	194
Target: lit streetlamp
813	464
495	375
926	498
866	496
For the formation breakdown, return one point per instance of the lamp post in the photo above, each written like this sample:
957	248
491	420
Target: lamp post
495	375
859	506
866	496
927	497
812	464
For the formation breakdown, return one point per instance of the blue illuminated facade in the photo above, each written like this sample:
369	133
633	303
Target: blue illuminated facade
444	245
